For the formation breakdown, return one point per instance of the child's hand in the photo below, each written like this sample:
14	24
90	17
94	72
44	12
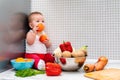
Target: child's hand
47	43
35	29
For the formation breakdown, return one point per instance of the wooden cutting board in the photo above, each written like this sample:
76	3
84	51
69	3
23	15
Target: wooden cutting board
107	74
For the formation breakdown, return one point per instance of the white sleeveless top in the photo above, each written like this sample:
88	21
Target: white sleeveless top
36	47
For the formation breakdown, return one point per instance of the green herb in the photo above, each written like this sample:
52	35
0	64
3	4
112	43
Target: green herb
28	72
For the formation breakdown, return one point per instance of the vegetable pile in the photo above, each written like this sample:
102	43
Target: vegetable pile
66	50
28	72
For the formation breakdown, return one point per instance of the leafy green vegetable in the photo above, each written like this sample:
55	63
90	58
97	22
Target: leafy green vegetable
28	72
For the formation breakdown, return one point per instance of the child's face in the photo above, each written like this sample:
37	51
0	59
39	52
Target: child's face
35	20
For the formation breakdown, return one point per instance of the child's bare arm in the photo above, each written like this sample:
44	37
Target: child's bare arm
30	38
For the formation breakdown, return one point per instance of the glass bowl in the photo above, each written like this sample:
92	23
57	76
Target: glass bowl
71	64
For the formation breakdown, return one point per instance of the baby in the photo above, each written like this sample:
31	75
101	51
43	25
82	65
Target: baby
36	49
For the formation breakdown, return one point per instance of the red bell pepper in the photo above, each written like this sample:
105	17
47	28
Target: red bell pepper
63	60
66	46
53	69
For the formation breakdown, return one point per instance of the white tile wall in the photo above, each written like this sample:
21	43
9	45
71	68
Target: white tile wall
83	22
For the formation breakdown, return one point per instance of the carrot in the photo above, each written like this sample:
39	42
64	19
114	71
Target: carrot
101	63
89	67
103	59
99	66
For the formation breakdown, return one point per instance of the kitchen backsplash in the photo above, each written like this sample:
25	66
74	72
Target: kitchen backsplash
83	22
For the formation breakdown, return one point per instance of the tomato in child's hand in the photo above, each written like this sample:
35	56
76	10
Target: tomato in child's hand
40	27
43	38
